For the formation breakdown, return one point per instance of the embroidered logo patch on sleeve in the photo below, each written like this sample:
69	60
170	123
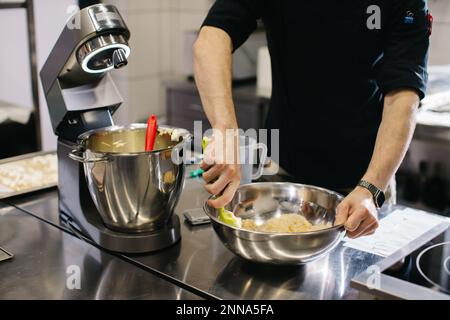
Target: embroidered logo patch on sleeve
409	18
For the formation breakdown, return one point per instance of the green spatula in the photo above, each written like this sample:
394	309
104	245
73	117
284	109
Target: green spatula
229	218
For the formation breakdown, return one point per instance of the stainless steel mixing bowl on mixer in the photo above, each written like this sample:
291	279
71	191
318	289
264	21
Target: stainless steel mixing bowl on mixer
263	201
133	190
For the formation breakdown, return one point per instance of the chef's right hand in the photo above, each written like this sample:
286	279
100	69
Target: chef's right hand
222	170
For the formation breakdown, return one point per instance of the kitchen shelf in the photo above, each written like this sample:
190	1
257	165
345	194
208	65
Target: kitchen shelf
8	4
12	5
184	106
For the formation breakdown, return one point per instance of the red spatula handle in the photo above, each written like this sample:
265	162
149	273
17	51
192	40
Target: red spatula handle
150	135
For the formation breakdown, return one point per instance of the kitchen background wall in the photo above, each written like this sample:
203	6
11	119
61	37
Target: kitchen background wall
157	41
14	67
15	87
157	29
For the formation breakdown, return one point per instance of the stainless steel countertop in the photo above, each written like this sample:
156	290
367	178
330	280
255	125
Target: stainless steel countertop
201	262
204	263
43	254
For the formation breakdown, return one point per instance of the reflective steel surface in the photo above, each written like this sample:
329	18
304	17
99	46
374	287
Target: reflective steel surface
133	190
202	262
267	200
47	262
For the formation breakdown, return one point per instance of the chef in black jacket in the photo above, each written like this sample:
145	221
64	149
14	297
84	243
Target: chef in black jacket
347	80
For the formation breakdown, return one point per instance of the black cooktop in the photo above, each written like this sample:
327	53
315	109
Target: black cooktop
428	266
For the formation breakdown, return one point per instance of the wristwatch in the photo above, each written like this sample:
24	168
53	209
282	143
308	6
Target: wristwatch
377	194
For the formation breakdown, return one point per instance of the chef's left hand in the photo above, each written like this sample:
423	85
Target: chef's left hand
358	212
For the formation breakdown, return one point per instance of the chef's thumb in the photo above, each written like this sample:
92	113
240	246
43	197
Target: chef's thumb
341	213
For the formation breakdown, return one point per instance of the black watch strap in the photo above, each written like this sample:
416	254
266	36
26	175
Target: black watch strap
378	195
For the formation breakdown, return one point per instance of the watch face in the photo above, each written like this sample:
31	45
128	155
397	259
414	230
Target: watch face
380	199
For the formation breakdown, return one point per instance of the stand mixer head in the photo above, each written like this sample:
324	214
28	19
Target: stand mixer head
75	76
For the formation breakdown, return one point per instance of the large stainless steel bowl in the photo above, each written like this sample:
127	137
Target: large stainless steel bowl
262	201
133	190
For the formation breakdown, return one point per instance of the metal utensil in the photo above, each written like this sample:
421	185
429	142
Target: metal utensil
12	193
263	201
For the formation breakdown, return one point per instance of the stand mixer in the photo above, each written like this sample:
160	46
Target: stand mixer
82	97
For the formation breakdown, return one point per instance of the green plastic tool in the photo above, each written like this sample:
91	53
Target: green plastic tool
229	218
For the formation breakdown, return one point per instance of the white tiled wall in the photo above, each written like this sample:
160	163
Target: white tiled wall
15	87
440	39
157	28
14	60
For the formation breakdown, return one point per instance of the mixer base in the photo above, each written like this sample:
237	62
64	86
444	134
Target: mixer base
127	242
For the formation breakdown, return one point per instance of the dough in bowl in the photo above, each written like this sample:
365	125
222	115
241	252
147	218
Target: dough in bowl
285	223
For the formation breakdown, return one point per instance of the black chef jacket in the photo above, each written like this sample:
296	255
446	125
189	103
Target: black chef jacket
330	72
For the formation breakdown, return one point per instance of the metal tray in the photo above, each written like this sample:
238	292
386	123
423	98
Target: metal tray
24	157
5	255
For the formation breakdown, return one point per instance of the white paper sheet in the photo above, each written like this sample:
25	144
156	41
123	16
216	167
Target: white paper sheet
395	231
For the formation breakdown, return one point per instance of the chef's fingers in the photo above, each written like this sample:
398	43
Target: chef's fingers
356	218
205	165
225	177
213	172
368	226
226	197
342	213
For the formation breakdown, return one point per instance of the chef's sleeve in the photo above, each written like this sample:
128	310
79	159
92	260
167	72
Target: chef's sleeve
236	17
404	63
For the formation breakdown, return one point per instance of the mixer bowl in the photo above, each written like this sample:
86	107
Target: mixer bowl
133	190
262	201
